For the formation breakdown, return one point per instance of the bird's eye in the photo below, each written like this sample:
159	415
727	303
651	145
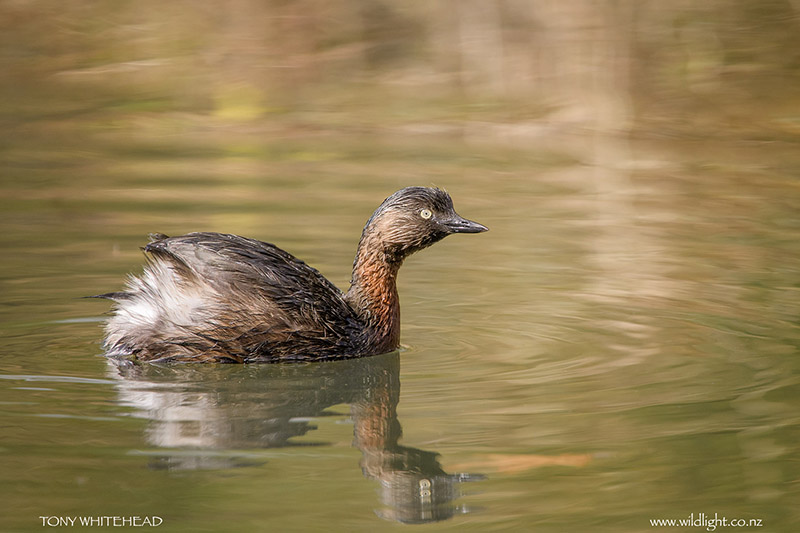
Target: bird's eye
426	214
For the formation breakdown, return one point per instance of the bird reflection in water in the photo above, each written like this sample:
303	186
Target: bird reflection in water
204	410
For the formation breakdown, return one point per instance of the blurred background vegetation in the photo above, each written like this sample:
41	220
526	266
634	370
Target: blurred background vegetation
234	73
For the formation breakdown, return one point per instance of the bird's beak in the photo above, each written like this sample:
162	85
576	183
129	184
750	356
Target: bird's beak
456	224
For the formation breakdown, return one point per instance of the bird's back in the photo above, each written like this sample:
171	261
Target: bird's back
219	297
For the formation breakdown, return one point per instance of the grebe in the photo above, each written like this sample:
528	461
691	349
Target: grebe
213	297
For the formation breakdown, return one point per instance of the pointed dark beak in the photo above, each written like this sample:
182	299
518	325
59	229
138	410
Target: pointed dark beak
456	224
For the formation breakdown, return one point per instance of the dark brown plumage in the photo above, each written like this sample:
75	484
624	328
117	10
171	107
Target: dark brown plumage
212	297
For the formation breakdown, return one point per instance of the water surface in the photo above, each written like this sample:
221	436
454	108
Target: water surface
621	346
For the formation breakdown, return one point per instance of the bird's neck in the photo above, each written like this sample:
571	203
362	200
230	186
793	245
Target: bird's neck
373	294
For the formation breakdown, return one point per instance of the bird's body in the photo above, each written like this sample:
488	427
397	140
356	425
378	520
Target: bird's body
212	297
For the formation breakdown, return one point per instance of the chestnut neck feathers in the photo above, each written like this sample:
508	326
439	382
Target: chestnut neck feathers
409	220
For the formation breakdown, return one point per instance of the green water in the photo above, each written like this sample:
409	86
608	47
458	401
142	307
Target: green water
621	346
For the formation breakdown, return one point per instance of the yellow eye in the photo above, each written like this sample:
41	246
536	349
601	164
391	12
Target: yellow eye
426	214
